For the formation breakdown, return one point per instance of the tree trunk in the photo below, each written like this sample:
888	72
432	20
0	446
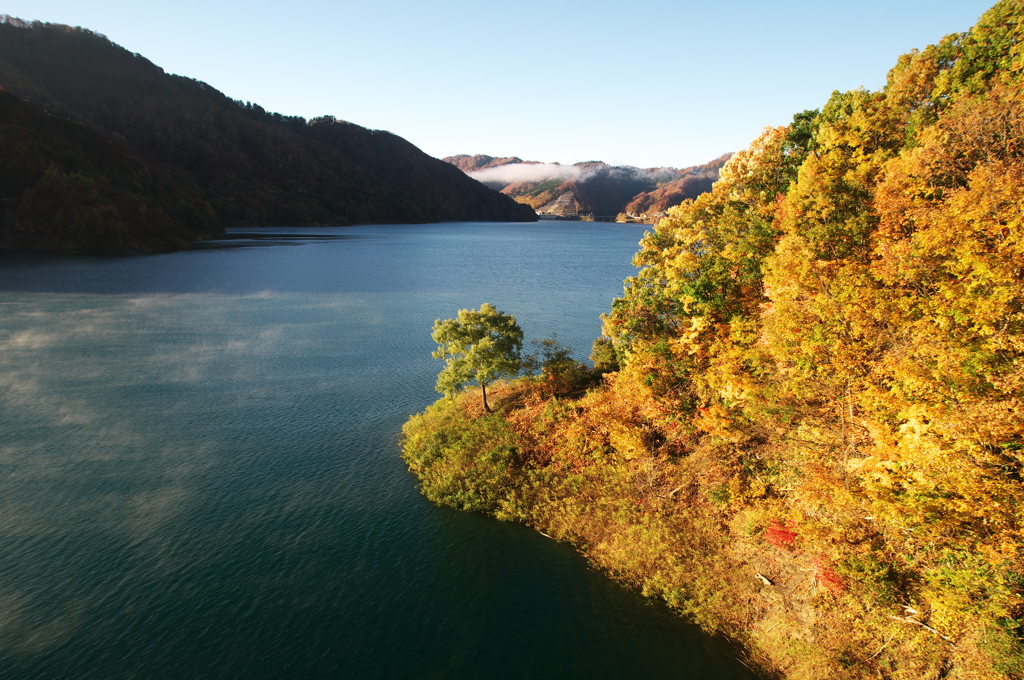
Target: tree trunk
483	386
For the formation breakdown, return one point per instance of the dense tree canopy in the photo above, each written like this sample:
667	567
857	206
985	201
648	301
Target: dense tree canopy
64	186
815	440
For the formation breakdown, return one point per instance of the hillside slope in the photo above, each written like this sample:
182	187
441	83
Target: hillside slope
815	441
690	185
65	186
250	166
590	187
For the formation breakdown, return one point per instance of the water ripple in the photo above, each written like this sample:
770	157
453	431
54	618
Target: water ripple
200	474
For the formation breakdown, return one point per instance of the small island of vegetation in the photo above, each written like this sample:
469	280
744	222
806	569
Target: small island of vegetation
809	431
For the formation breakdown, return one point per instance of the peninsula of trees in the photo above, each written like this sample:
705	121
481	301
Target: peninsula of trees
102	151
810	435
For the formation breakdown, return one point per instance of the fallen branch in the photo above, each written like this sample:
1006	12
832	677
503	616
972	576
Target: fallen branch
907	619
881	648
675	490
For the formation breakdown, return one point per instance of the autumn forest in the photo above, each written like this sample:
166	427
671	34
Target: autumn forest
809	433
802	426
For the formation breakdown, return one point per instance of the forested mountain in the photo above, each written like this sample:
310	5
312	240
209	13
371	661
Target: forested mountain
591	187
690	184
814	441
66	186
470	164
231	162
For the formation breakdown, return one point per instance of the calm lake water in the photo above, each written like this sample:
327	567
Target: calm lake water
200	472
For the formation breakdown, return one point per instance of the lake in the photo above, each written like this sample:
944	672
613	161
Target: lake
200	472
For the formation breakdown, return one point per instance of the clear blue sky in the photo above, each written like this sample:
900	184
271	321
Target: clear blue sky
644	82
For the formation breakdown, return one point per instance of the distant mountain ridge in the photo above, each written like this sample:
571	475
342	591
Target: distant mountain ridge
217	161
470	164
592	188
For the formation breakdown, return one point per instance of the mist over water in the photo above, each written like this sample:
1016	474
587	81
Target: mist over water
201	474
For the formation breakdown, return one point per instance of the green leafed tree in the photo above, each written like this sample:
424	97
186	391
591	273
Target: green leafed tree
479	346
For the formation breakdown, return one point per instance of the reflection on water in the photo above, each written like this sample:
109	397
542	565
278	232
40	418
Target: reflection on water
201	474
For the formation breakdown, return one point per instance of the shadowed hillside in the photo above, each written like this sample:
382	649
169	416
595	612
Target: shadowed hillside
66	186
250	166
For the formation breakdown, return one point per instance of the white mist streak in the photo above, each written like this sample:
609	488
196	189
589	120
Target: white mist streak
526	172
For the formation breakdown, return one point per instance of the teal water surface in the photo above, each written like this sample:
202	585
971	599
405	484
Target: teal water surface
200	473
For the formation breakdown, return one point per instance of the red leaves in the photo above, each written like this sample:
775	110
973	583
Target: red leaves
827	576
779	535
